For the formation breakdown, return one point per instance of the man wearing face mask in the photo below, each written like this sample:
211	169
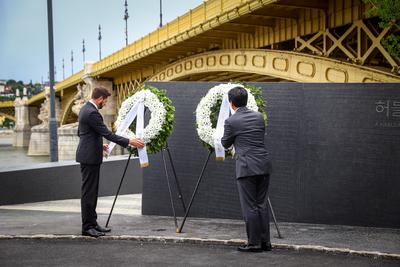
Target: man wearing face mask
245	130
89	154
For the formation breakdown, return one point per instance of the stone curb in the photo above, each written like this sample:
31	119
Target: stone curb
203	241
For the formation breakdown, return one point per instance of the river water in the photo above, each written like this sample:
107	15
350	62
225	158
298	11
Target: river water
16	157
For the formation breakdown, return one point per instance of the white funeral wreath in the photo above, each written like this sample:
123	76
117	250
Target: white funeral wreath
157	119
205	129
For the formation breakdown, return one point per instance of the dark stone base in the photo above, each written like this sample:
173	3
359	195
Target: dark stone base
336	159
54	181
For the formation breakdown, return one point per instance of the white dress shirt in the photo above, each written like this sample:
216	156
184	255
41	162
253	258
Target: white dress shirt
94	104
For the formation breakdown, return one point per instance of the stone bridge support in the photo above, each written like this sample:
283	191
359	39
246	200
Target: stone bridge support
39	143
109	111
25	117
68	134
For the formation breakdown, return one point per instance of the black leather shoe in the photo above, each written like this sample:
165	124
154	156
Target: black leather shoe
102	229
92	232
266	246
249	248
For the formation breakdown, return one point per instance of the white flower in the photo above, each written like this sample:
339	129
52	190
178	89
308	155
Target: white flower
157	117
203	110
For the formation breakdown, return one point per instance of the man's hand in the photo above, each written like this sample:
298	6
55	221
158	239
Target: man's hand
136	142
105	147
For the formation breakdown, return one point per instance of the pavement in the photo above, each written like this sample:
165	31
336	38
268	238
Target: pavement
132	253
57	223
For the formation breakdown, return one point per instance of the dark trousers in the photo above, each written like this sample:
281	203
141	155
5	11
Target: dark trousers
89	194
253	193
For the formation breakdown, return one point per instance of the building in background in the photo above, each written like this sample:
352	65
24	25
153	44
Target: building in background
2	86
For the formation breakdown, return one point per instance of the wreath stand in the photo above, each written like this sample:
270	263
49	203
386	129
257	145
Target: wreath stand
179	191
179	230
119	188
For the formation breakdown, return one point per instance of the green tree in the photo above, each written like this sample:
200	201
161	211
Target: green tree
8	123
389	13
36	89
15	85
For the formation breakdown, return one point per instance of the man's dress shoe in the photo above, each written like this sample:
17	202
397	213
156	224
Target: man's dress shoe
102	229
92	232
266	246
250	248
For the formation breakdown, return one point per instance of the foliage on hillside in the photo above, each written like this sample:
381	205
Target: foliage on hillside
389	13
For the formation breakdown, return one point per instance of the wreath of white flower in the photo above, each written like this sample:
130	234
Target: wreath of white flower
156	109
205	130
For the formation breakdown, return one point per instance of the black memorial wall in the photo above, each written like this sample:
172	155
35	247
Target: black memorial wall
335	150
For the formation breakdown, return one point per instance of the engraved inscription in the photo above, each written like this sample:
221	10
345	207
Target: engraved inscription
391	108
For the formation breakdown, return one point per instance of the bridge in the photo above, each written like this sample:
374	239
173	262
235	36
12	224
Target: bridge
240	40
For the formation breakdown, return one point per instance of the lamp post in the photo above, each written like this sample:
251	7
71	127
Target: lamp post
63	67
72	62
99	38
52	119
160	13
83	51
126	16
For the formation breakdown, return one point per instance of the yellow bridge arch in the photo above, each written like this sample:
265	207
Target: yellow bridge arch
7	109
292	66
8	116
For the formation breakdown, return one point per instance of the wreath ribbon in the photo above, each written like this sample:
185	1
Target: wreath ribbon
136	111
219	131
210	121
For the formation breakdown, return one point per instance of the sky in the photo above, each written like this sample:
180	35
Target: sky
23	32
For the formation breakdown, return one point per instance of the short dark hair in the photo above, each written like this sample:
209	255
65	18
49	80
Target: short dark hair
100	92
238	96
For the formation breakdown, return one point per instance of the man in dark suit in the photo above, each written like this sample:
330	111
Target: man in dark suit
89	154
245	130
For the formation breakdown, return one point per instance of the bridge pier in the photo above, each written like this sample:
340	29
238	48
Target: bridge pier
22	129
110	110
40	138
68	134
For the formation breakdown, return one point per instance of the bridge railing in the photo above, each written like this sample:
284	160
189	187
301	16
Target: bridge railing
195	17
71	80
6	103
199	15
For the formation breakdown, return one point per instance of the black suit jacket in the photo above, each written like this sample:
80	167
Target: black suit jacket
91	131
246	130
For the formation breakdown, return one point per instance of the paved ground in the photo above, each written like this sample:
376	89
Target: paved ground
63	218
48	233
131	253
